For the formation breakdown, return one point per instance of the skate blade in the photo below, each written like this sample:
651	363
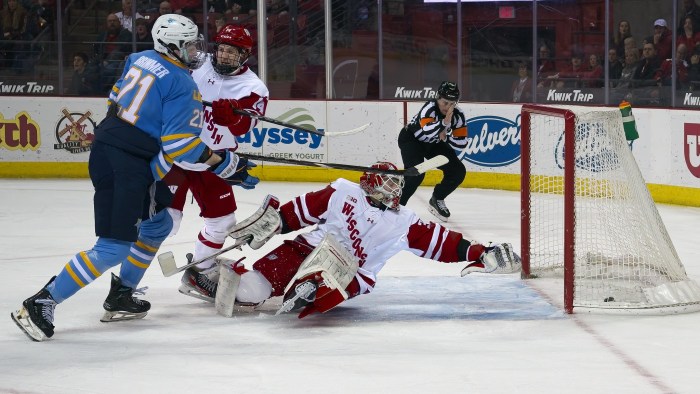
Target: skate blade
21	318
189	291
437	214
292	304
109	317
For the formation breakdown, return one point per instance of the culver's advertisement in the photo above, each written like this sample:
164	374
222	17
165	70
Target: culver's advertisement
492	141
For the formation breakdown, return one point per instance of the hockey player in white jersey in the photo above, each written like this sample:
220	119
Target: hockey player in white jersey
226	82
358	228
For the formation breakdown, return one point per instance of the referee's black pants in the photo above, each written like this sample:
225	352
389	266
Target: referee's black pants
413	152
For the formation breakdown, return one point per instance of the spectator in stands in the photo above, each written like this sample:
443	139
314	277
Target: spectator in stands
631	43
694	71
163	8
570	76
39	19
521	90
690	36
219	24
277	7
647	66
236	9
593	76
40	15
187	6
664	74
14	18
125	16
662	39
545	66
624	86
373	83
624	30
85	77
615	67
144	39
111	49
362	15
644	76
691	10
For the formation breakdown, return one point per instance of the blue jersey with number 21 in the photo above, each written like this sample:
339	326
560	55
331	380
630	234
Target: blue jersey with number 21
158	96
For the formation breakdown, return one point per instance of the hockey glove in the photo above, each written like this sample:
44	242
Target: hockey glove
224	114
234	170
499	259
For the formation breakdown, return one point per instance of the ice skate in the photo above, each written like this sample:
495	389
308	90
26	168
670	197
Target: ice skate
301	295
439	209
200	284
35	317
121	303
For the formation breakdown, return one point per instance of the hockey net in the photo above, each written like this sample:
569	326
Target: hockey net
594	223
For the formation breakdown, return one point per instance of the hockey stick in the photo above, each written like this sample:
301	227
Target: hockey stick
293	126
170	268
421	168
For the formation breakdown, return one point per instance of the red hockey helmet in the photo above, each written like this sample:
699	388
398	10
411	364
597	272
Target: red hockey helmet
228	60
383	188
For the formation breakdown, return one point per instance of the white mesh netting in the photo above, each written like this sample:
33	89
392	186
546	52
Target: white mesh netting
624	258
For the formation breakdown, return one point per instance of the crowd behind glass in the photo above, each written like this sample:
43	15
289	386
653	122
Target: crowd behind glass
560	51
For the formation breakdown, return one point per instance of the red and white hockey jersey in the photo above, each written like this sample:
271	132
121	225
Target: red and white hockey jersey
246	87
373	235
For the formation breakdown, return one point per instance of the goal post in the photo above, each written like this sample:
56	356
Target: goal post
587	217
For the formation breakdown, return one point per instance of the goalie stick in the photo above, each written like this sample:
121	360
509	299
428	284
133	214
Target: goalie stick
293	126
170	268
421	168
252	238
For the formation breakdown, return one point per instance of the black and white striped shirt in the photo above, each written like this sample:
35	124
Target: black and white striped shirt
427	125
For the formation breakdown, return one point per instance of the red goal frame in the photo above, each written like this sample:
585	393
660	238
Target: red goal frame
569	193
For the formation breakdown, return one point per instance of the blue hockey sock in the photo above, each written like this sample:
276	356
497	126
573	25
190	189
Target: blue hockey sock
87	266
137	262
152	233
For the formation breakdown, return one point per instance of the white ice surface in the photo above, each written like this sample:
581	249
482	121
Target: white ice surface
423	330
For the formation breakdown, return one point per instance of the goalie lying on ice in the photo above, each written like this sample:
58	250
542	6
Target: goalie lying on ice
358	228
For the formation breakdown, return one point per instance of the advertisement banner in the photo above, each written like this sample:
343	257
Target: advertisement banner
49	130
61	130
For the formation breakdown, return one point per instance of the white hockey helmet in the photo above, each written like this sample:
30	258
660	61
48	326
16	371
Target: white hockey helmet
173	32
383	188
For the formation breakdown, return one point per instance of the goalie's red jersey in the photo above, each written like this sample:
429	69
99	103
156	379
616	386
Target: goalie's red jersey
373	235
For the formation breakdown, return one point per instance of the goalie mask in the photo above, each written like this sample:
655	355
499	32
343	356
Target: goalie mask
448	91
177	37
383	188
232	47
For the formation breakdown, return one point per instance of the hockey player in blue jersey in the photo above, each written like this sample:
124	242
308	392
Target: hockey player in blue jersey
154	119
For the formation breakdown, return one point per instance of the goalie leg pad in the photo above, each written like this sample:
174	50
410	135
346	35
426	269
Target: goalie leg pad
335	264
229	281
262	225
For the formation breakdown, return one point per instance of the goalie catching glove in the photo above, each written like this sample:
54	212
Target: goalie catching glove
234	170
497	259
